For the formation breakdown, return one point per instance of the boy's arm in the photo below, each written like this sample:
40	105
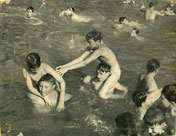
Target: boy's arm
77	60
86	61
51	71
29	84
159	13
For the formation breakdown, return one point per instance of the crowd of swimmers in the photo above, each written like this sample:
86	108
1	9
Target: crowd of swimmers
156	107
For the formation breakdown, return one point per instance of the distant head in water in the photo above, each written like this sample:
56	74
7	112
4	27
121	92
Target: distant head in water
70	11
151	5
134	32
30	11
123	20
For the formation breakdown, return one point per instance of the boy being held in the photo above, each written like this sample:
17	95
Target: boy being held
36	69
98	50
46	96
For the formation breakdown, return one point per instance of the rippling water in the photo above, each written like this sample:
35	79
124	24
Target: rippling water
58	40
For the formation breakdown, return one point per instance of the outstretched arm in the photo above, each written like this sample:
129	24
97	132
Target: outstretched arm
51	71
29	84
75	61
159	13
84	62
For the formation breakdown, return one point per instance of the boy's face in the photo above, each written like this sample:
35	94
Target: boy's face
102	74
93	44
125	21
45	88
157	129
29	13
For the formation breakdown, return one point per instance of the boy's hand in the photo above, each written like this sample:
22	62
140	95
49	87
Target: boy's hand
60	107
62	71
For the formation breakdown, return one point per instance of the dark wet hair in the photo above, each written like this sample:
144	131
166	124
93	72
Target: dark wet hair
153	116
47	78
139	97
30	8
125	123
121	19
104	66
137	30
169	92
33	60
152	65
151	4
95	35
71	8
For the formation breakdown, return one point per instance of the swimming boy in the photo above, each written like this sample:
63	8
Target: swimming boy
151	13
71	12
46	96
134	32
168	11
36	69
98	50
30	11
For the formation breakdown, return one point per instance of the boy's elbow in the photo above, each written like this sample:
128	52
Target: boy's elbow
103	96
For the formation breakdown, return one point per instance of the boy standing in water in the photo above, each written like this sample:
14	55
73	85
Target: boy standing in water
151	13
98	50
36	69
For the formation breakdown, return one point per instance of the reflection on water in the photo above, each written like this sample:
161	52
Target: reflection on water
59	40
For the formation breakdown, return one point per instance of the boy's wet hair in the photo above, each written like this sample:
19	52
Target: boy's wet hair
103	66
151	4
139	97
137	30
125	123
30	8
47	78
153	116
71	8
33	60
152	65
169	93
95	35
121	19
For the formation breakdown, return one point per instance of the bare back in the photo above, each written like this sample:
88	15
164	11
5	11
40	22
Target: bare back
150	14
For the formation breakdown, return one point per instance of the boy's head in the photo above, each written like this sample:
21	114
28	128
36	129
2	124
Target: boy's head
139	97
94	38
151	5
46	84
168	7
33	62
154	119
169	96
134	32
103	71
125	123
30	9
122	20
153	65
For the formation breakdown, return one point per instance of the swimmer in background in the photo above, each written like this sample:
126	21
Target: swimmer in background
4	1
77	18
124	23
129	1
151	13
103	72
36	69
30	15
168	11
97	50
134	33
49	90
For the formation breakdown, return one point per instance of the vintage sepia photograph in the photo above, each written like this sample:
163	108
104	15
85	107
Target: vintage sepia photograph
87	68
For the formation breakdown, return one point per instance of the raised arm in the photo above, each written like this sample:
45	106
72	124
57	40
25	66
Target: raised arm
51	71
29	84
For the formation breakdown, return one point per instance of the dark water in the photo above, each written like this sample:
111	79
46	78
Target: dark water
59	40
